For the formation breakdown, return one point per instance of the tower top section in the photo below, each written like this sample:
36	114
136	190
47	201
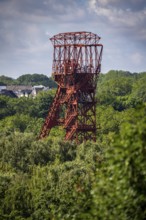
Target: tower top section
76	66
75	38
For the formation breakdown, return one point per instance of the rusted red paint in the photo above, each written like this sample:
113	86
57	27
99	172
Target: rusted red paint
76	67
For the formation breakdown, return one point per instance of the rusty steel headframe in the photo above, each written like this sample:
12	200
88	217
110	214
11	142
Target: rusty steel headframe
76	67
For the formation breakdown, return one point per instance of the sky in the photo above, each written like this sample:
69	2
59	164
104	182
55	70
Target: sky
27	25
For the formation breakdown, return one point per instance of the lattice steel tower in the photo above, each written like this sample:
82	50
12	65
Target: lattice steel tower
76	66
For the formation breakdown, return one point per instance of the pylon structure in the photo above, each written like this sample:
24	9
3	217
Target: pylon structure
76	66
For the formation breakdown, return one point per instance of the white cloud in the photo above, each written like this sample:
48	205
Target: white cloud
118	16
26	27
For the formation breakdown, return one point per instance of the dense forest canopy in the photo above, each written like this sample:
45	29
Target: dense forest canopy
54	180
29	79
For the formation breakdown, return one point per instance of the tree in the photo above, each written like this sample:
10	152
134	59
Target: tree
114	89
52	179
5	108
36	79
5	80
41	104
138	95
119	191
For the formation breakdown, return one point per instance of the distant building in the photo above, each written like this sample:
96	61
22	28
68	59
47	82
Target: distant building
22	91
37	89
8	93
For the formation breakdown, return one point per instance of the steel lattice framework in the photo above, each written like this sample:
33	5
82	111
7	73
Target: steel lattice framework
76	66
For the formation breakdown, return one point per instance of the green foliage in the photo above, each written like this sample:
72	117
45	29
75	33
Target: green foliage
51	179
37	107
20	123
139	89
121	89
66	193
119	191
29	79
36	79
5	80
16	204
5	108
41	104
14	149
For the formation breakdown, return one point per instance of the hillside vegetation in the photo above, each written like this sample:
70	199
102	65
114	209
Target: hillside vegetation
55	180
29	79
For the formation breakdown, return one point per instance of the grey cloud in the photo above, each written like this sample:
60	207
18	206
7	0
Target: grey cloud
26	25
37	10
29	19
126	17
23	27
122	11
40	7
133	5
124	32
